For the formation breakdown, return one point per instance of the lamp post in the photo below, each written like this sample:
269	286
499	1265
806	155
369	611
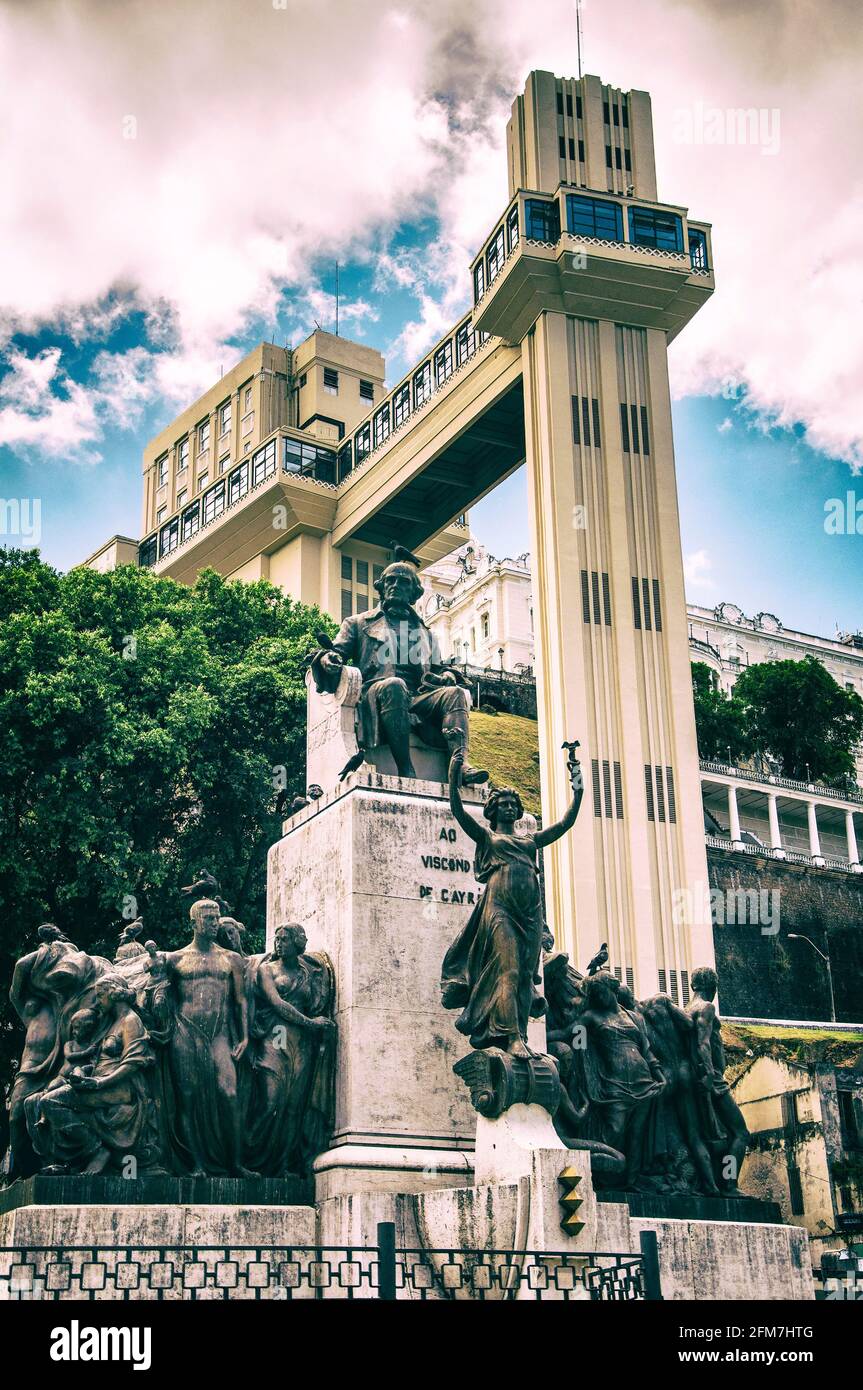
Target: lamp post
500	658
795	936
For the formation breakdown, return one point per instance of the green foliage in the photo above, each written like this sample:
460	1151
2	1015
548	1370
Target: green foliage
141	724
508	746
719	722
797	712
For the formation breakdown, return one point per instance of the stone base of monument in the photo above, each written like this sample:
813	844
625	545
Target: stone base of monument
514	1205
685	1206
382	880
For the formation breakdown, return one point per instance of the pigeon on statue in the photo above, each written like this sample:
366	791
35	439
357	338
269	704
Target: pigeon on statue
599	960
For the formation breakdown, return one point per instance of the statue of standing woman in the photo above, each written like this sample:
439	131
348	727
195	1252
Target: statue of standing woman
492	969
293	1053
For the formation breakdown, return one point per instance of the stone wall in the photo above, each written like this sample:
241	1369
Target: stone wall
764	975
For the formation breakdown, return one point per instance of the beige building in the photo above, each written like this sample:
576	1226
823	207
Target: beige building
481	608
806	1150
561	363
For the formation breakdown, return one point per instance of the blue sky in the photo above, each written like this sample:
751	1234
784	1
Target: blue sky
172	198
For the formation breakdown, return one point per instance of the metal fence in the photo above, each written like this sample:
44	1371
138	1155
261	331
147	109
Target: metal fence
382	1271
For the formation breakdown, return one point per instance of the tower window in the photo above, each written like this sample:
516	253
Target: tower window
542	220
422	384
381	425
331	381
662	230
367	391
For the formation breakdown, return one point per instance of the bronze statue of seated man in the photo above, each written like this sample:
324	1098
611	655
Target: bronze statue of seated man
405	684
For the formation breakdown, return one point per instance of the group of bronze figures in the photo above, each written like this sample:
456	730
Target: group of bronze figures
640	1084
197	1061
205	1061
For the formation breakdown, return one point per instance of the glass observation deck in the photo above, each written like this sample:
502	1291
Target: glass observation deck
640	263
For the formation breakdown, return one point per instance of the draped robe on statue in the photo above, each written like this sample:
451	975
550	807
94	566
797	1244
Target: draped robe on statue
492	967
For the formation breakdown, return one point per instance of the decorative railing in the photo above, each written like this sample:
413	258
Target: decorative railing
770	779
788	856
208	1272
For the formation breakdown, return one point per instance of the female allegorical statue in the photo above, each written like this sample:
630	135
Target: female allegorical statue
292	1054
493	967
90	1118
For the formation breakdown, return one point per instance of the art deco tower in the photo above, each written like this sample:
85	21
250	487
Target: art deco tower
593	278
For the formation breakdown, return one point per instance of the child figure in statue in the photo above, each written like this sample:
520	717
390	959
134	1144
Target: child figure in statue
493	967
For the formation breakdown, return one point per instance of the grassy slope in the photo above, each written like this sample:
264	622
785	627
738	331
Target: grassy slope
507	745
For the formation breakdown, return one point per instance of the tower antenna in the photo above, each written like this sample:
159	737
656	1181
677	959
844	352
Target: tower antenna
578	34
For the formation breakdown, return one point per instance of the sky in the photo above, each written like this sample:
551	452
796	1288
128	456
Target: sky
180	179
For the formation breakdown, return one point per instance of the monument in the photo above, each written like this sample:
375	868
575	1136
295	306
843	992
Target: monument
301	1096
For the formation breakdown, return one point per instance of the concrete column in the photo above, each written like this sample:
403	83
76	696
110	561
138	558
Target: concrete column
814	838
734	818
853	852
775	833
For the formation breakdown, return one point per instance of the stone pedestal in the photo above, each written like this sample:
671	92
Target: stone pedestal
381	877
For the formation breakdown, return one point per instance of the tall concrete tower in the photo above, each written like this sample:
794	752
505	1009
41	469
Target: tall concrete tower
593	278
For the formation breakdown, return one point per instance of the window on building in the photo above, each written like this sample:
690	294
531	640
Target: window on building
213	503
331	381
190	521
161	513
512	227
347	603
162	470
465	344
648	227
303	378
363	574
381	425
263	463
310	460
238	483
225	416
850	1118
224	462
485	625
169	537
346	459
203	479
363	442
561	146
541	220
585	414
478	281
367	390
147	552
247	400
401	405
203	436
496	254
698	249
183	454
443	363
596	217
422	384
181	497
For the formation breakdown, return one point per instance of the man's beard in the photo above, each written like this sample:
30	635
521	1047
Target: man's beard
397	607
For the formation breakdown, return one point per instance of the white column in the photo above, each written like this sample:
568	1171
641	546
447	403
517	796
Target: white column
733	817
814	839
775	832
853	852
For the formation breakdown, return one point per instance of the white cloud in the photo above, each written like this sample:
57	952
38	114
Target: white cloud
697	572
267	138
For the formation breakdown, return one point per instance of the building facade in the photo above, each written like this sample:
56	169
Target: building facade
481	609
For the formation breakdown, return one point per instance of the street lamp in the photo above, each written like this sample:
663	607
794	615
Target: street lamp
500	658
794	936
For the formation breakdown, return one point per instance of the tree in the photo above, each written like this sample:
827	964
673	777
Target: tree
143	724
719	722
797	712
